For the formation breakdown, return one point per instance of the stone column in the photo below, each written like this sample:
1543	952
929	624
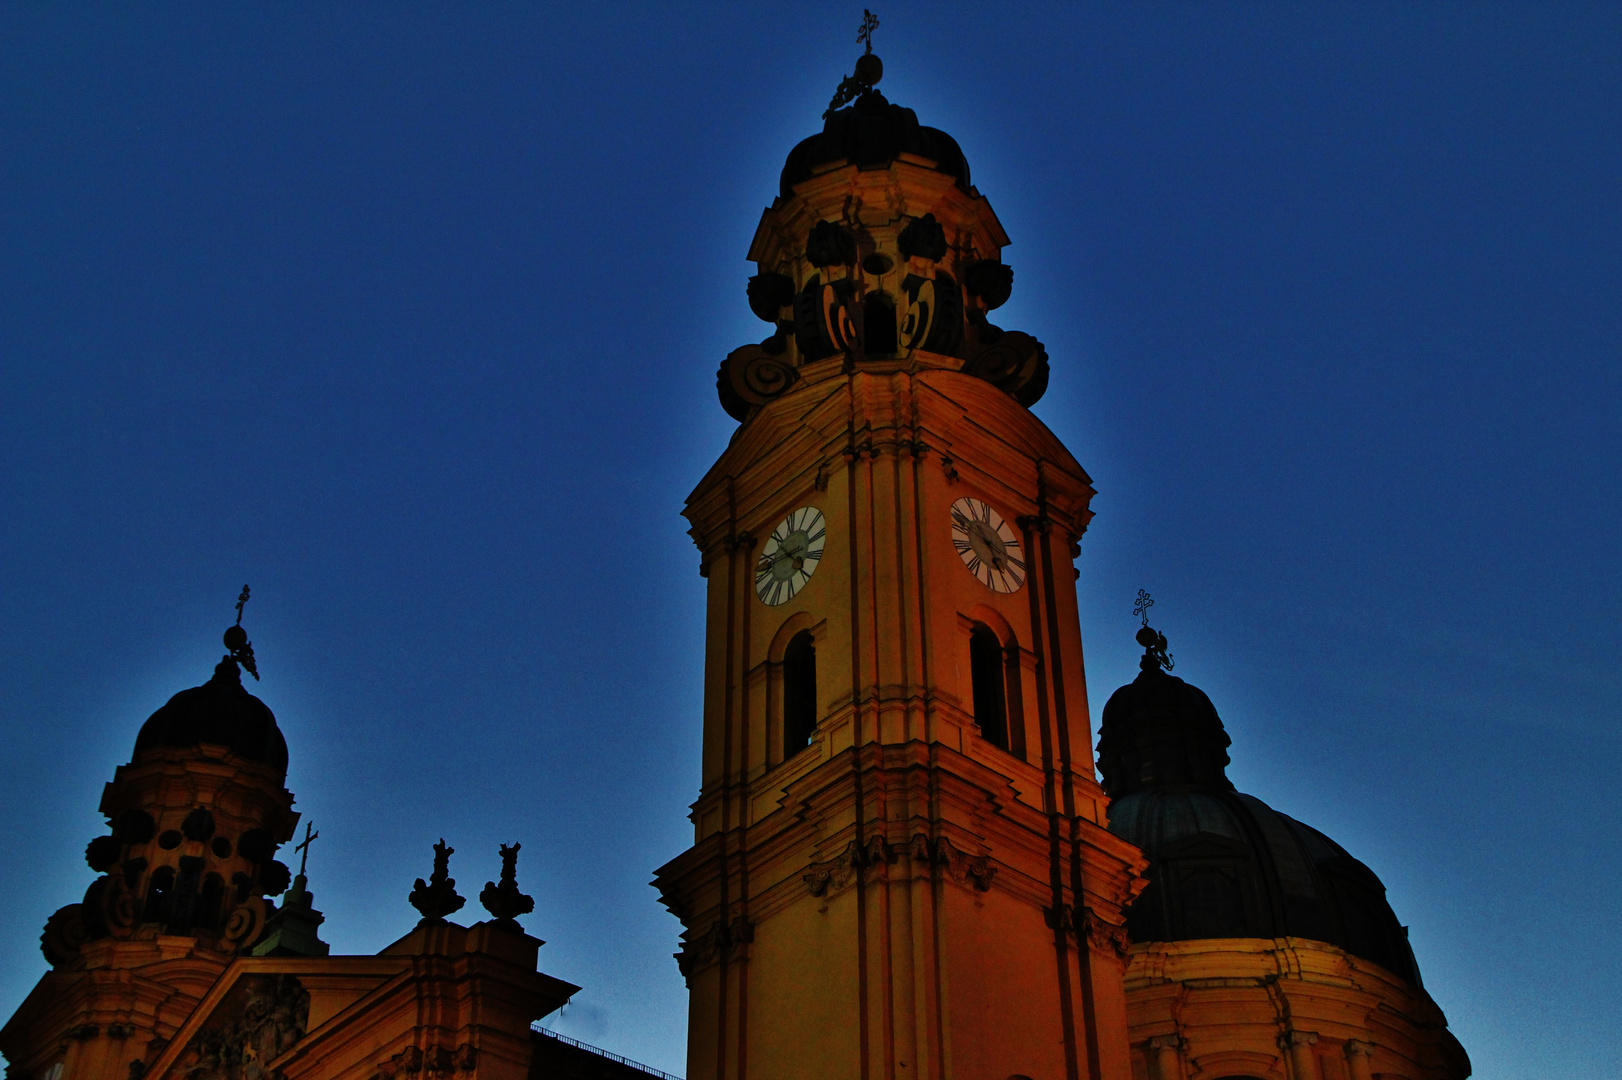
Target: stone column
1358	1055
1164	1049
1303	1066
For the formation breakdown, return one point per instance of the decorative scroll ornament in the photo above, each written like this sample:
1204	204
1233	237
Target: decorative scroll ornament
1011	360
64	936
756	376
437	898
824	323
934	317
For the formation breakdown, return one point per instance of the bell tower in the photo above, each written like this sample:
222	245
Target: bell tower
901	866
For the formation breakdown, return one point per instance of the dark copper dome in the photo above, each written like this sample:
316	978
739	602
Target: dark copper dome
220	712
1222	863
870	134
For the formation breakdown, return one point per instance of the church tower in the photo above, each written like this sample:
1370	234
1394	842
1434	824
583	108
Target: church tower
901	866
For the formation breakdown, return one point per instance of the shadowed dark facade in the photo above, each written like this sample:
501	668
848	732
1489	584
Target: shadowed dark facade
1260	946
1223	863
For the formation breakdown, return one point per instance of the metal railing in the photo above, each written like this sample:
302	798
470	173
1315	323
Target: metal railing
599	1051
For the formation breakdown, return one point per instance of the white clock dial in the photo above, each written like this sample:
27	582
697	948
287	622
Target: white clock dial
987	546
790	556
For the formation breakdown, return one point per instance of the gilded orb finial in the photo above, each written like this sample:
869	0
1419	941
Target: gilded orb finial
1153	641
237	643
869	68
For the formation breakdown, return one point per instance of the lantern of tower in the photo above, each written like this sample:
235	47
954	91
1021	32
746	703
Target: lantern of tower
187	868
900	863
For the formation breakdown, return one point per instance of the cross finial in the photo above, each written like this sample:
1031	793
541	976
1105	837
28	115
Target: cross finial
237	643
1153	641
870	23
869	69
310	837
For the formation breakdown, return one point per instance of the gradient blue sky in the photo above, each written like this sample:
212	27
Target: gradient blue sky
409	315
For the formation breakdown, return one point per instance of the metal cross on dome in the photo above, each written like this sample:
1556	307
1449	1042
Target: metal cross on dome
309	838
1145	602
870	23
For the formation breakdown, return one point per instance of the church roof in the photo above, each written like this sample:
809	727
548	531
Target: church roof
220	712
1223	864
871	134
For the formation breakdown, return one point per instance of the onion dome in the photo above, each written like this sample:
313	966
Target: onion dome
871	134
220	712
1223	864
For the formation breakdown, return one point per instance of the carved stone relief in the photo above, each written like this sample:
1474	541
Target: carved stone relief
259	1020
1107	938
720	941
438	1059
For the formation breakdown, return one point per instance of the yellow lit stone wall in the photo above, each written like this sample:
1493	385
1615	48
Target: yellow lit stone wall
1280	1009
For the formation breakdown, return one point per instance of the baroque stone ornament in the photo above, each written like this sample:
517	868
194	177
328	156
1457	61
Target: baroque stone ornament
504	901
1105	937
259	1019
971	871
824	323
720	941
769	294
830	244
1011	360
989	282
753	375
831	875
438	1059
923	238
436	897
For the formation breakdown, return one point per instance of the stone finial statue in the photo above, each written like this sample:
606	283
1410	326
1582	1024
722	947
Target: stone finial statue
504	901
436	898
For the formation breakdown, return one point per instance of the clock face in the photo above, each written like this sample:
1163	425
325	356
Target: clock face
790	556
987	545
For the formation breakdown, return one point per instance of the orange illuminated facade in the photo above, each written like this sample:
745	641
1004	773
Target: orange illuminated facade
904	861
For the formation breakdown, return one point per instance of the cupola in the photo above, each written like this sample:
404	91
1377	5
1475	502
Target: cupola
879	255
1223	864
194	821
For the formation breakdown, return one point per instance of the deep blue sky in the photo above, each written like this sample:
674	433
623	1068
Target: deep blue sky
409	316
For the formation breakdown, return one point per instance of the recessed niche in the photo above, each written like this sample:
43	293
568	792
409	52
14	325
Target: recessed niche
878	263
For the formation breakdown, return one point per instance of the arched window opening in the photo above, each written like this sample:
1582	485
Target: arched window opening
159	895
878	324
211	907
990	694
799	693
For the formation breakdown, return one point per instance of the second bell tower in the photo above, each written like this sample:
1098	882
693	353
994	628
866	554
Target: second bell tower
900	864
